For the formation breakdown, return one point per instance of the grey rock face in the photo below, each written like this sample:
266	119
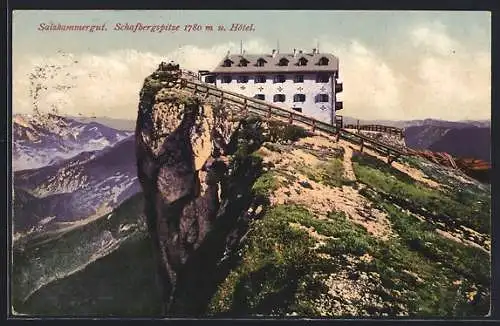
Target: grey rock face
178	143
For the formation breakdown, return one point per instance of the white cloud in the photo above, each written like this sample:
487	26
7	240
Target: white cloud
433	38
432	76
105	85
453	80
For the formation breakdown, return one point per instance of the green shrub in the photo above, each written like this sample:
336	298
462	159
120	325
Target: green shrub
280	132
265	184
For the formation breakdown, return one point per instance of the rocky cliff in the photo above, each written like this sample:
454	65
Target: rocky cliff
182	142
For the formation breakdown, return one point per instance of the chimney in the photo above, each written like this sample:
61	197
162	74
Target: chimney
294	52
273	53
314	51
228	52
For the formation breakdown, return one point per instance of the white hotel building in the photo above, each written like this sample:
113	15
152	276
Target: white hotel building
305	82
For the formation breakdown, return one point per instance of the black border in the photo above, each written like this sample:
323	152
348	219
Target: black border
261	5
457	5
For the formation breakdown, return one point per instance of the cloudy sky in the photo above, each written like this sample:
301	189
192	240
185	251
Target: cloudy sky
394	64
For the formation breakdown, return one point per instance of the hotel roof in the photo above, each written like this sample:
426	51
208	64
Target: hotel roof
271	63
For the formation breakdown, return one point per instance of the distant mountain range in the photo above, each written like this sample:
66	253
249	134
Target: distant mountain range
464	139
129	125
430	134
119	124
40	140
99	175
421	122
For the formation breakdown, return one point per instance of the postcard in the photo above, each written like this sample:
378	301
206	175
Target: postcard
247	164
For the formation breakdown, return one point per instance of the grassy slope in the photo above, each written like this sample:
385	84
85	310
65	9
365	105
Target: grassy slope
421	273
126	273
456	277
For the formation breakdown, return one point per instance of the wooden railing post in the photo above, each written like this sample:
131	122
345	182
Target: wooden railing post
362	146
390	159
245	107
314	126
269	112
290	118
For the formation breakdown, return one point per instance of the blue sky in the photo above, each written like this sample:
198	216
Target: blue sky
394	64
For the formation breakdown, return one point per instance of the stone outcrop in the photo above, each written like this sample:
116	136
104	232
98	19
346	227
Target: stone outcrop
181	146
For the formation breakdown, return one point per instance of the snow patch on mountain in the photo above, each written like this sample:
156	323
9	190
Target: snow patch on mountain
41	140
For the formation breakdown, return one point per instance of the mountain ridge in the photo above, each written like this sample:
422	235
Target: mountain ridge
41	140
76	188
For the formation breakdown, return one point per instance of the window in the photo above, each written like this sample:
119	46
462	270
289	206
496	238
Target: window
299	98
283	62
260	79
261	62
298	79
226	79
243	62
260	97
279	79
243	79
298	109
279	98
323	61
302	62
210	79
227	63
322	78
321	98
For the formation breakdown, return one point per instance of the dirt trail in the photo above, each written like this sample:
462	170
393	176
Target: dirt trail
347	161
319	198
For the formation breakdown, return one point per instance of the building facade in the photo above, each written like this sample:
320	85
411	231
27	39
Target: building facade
304	82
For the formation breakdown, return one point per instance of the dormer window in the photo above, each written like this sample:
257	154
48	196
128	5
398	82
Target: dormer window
323	61
283	62
261	62
227	63
302	62
244	62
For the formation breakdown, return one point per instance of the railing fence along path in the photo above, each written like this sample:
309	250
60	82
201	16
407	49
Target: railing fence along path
272	111
191	81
